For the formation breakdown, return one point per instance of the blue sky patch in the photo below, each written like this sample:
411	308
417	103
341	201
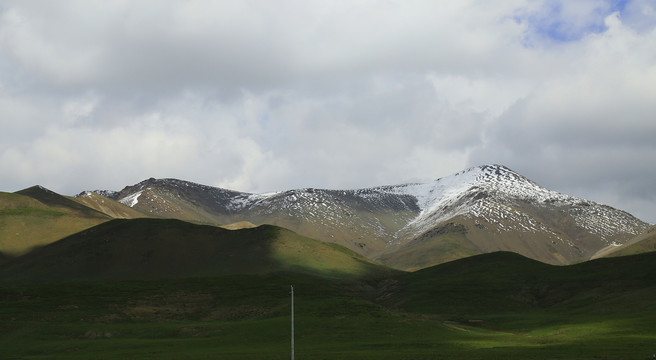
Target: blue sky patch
559	21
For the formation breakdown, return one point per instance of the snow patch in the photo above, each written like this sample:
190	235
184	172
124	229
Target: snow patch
131	200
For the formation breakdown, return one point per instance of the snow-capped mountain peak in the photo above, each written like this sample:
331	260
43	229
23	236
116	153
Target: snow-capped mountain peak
498	196
474	184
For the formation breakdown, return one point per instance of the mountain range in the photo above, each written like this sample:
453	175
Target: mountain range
410	226
172	269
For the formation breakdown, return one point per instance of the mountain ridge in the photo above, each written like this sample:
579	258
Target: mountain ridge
499	210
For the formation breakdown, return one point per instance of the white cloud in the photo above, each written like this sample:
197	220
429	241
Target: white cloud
263	96
488	96
591	124
78	109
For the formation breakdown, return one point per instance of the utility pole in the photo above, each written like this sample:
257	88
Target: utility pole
292	322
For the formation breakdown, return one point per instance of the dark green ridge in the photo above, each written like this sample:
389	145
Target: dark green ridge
165	248
506	282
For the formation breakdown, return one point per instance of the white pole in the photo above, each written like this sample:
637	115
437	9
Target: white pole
292	322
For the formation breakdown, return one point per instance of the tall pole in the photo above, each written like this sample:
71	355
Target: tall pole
292	322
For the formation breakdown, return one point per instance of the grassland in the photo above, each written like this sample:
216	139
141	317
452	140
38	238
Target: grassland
436	249
247	318
495	306
35	217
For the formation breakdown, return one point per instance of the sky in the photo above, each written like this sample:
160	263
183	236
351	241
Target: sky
263	96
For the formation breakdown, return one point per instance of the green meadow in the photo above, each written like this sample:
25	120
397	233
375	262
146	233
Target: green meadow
166	289
248	317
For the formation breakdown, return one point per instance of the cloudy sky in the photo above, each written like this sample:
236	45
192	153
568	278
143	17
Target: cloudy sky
265	95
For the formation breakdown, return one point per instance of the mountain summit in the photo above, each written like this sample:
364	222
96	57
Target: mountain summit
479	210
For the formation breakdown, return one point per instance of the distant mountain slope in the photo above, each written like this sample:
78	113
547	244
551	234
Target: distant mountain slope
176	199
349	218
107	206
165	248
645	242
37	216
482	209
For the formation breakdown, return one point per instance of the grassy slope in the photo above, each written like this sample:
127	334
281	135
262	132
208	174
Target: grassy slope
35	217
490	306
642	243
501	282
163	248
358	235
238	225
428	251
60	203
595	309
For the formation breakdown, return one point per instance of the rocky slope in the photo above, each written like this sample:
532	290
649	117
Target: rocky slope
107	206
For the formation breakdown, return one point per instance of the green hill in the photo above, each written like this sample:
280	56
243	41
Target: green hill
165	248
502	282
493	306
36	216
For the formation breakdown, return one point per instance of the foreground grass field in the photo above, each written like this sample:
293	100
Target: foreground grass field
247	317
165	289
